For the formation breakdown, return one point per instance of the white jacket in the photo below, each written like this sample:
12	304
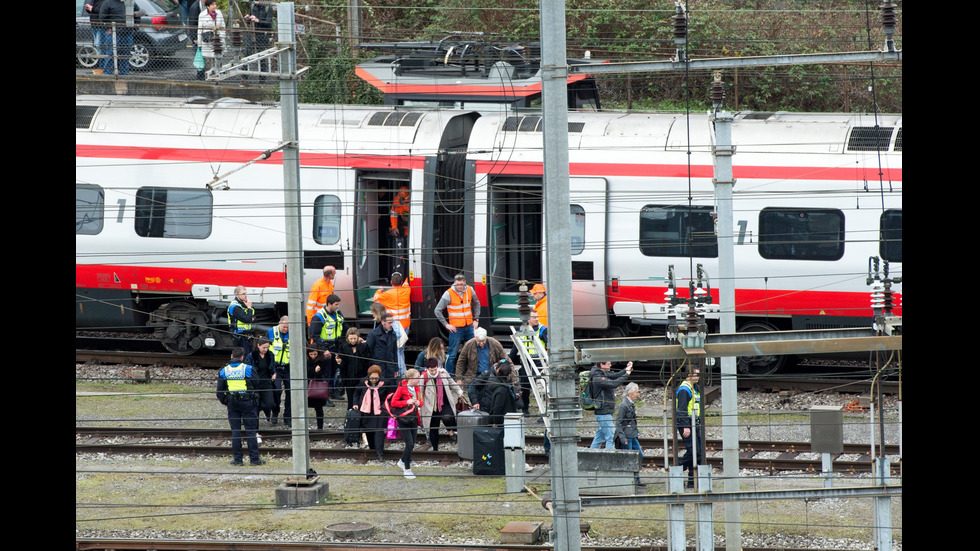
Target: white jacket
206	24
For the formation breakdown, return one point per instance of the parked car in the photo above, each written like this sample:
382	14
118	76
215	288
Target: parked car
159	34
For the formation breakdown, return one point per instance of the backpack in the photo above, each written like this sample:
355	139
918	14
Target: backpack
585	389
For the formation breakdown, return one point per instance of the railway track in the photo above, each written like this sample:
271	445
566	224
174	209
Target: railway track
114	544
761	455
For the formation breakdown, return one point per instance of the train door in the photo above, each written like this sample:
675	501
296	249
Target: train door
587	225
515	233
377	250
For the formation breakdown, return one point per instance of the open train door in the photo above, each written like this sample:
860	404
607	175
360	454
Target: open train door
587	226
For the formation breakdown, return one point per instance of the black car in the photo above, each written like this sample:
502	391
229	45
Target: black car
159	35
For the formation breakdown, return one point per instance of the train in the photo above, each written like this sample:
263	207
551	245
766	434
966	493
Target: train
178	201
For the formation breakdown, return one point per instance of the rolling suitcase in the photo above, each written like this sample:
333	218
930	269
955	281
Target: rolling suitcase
352	427
466	421
488	451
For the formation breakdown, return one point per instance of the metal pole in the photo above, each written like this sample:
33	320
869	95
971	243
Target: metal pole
565	408
294	245
724	182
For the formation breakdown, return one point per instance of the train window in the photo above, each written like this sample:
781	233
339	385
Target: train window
577	225
890	245
801	234
173	213
89	209
678	230
326	219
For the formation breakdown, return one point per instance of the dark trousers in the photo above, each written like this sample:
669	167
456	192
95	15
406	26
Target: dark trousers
408	429
242	412
375	427
687	460
447	419
282	384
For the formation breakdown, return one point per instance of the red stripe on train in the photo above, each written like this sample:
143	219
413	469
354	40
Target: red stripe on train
243	156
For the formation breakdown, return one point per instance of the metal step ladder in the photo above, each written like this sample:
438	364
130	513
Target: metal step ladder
534	361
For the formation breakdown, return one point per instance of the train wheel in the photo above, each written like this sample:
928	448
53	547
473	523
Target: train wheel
760	365
178	325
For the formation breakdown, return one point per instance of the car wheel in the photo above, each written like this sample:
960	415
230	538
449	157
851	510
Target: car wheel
139	56
87	56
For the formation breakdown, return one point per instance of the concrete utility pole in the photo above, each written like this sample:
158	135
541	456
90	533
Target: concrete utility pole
724	182
294	231
564	406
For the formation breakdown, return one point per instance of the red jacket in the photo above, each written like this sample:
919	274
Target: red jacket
401	396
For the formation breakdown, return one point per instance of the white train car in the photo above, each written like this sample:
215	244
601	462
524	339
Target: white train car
809	207
172	213
160	240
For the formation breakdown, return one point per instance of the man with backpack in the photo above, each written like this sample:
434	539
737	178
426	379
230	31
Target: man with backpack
603	382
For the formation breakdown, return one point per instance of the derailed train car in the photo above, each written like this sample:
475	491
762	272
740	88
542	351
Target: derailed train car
176	204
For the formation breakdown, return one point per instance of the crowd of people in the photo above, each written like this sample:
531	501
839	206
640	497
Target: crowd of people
391	400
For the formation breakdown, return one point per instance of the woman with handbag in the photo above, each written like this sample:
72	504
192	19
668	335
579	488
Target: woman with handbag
403	406
210	35
318	384
439	395
369	400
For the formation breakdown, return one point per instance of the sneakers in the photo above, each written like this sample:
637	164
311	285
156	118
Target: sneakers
409	474
258	462
236	462
401	464
528	468
258	438
364	442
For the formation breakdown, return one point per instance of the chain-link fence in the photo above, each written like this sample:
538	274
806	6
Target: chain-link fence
165	42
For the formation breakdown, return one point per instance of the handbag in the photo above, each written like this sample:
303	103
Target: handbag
392	429
318	389
397	412
199	60
462	405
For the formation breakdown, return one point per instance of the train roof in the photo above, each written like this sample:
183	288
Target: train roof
321	125
751	131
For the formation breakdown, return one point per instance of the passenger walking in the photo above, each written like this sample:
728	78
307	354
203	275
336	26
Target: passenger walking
687	406
404	408
383	342
279	338
263	366
353	356
626	427
439	395
317	368
435	349
236	391
604	382
478	356
463	310
241	316
503	399
369	400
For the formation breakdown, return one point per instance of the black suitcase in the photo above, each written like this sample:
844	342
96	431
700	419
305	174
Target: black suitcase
488	451
352	427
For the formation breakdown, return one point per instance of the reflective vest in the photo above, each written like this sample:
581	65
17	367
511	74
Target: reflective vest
236	374
318	297
541	307
694	404
333	324
459	309
236	325
280	346
398	302
529	342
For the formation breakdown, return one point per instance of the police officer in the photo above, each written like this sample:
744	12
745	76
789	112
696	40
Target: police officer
241	316
327	326
687	406
279	337
236	390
